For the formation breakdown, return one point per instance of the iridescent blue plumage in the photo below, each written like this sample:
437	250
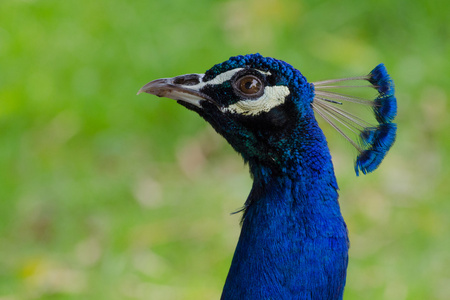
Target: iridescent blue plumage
379	140
293	243
385	108
381	80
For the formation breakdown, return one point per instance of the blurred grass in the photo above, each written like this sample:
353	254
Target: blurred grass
105	195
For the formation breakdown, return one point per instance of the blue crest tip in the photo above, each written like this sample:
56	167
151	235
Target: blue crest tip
380	78
385	108
379	140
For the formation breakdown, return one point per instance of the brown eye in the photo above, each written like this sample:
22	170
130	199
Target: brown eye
249	85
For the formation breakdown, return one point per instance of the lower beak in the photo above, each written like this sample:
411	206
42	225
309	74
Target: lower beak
185	88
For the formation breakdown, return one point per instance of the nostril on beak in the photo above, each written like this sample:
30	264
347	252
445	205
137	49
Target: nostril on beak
190	79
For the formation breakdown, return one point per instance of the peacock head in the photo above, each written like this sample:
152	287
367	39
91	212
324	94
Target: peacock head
256	103
265	109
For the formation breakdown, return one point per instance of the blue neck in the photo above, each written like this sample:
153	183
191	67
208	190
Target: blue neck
293	243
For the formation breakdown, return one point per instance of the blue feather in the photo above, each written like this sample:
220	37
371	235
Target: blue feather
381	80
368	136
385	108
380	140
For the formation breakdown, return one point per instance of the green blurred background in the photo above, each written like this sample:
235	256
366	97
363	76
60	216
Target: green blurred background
106	195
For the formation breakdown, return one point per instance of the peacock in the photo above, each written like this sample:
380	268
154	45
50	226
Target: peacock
294	241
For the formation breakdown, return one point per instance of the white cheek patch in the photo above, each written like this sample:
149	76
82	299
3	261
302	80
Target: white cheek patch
273	96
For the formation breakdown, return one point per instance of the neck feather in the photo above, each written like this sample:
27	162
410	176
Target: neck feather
293	243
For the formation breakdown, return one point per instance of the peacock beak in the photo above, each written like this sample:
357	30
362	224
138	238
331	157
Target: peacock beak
184	88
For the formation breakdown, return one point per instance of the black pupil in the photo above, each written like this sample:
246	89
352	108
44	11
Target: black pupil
250	85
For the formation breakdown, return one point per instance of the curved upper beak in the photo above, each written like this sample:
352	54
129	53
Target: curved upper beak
185	88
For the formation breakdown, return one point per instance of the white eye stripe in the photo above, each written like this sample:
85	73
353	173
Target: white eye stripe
273	96
221	78
264	72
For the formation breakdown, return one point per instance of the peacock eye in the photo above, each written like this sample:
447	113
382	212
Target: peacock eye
249	85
